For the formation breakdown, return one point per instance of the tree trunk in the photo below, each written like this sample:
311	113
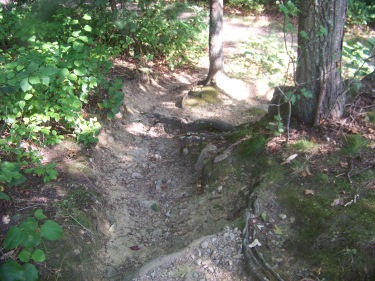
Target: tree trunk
320	37
215	41
113	5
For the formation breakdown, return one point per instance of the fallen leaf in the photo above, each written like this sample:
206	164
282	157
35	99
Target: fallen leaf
134	248
289	159
344	164
278	230
335	202
255	243
306	173
372	145
309	192
313	140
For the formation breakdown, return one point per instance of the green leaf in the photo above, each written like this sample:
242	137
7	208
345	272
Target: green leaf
264	216
25	86
24	256
3	196
29	225
34	80
304	35
11	271
74	22
86	17
28	96
30	271
21	104
72	77
39	215
87	28
278	230
93	81
38	256
32	67
14	238
78	63
64	72
78	46
45	80
32	239
80	71
83	38
51	230
76	33
48	70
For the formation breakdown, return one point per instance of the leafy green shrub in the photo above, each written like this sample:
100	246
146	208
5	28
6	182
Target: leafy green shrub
360	12
28	236
156	32
265	56
49	72
256	6
356	56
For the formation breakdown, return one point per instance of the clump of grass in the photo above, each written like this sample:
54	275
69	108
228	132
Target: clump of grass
354	145
253	146
305	146
371	117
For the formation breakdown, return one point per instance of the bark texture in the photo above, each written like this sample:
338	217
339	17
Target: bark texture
216	55
320	38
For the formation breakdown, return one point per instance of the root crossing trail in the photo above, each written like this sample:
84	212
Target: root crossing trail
148	171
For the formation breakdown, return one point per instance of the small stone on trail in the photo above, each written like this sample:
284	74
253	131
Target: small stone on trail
136	175
204	245
282	216
186	151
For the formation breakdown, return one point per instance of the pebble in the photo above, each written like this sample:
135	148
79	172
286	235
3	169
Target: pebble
136	175
282	216
204	245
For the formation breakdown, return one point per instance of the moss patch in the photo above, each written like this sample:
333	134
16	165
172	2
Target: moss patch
206	95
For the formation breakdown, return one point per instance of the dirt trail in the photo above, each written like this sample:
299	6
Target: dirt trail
147	170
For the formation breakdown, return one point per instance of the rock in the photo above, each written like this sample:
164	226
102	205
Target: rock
204	156
282	216
111	273
204	245
136	175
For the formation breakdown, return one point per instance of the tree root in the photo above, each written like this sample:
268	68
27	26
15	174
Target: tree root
194	126
257	267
